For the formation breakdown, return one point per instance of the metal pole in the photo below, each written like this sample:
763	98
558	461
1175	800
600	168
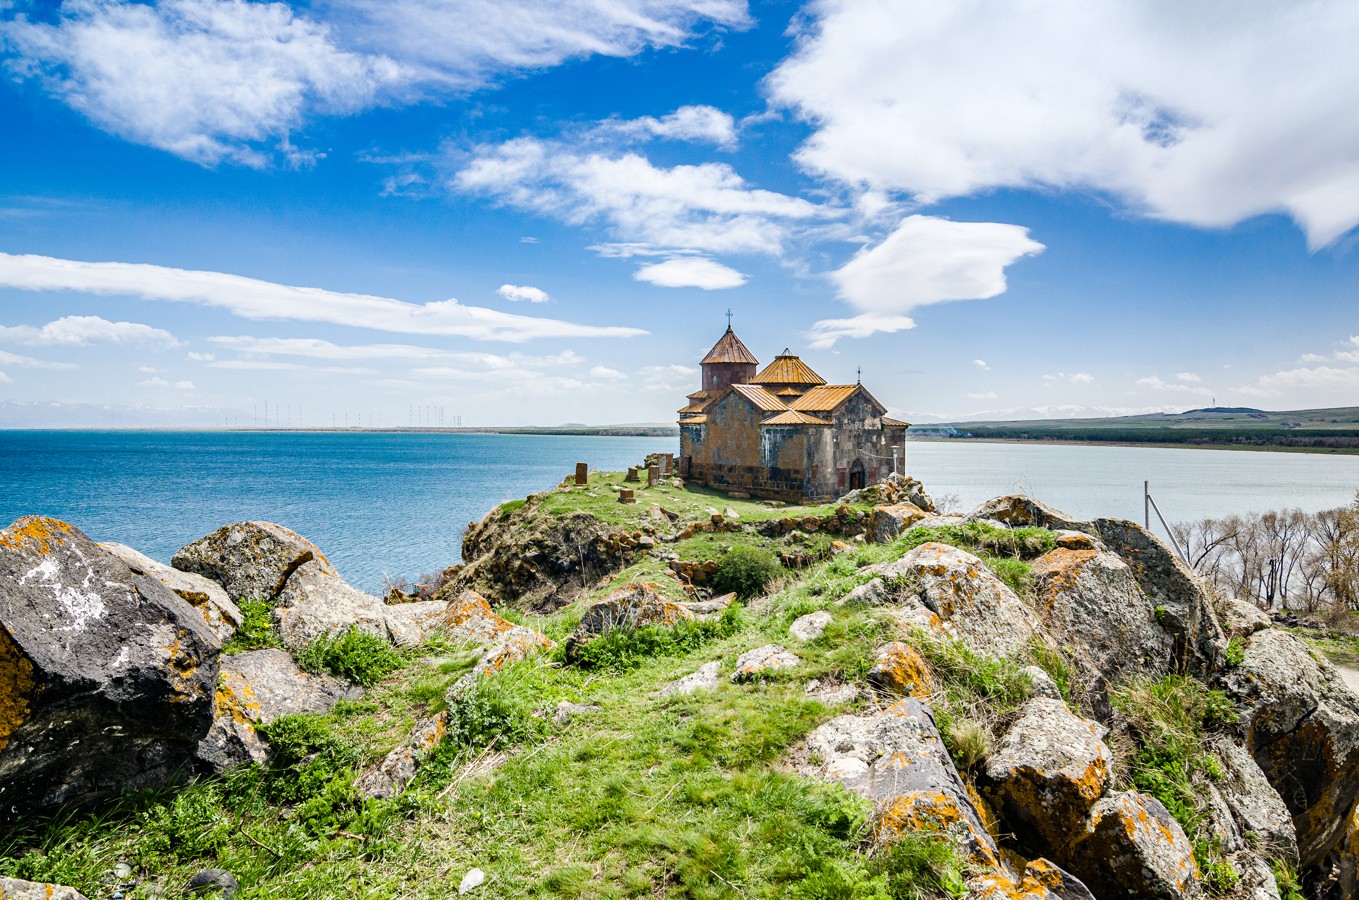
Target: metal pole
1146	505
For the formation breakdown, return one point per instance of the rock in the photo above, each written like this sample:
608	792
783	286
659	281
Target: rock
411	624
15	889
1133	848
634	605
315	602
251	560
106	676
468	617
831	694
1302	728
1041	683
809	627
1253	804
255	689
706	609
1044	879
729	513
208	597
212	883
705	679
1241	619
1045	774
1077	540
971	602
886	522
901	671
512	646
567	710
754	663
1182	606
473	879
398	768
1017	511
1106	623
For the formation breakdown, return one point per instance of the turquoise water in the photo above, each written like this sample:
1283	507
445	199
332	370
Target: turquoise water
396	504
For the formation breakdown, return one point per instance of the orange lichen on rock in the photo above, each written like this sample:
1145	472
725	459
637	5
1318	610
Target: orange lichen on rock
901	670
34	534
1058	570
471	618
16	687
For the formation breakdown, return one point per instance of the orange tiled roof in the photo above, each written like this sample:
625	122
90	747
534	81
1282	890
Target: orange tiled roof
729	349
693	420
894	423
787	368
793	417
759	397
824	398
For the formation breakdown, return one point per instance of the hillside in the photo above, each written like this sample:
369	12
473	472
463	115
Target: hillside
1313	430
690	696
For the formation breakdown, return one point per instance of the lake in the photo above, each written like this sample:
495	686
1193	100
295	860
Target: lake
395	505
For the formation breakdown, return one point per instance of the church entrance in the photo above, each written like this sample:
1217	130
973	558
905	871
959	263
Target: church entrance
856	475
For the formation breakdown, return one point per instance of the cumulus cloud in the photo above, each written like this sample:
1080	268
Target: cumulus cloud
981	364
924	260
985	395
706	207
691	271
1156	383
1331	380
183	385
517	292
16	361
1069	378
604	373
669	379
154	383
5	379
213	80
251	298
697	124
1197	115
83	331
1188	377
201	357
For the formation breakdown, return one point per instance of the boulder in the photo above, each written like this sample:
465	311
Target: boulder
901	671
1106	623
1240	619
510	647
1133	849
809	627
14	889
887	522
1077	540
754	663
1041	683
705	679
1302	728
1018	511
1048	770
206	596
633	605
315	602
106	676
255	689
971	603
1044	880
1255	807
411	624
251	560
468	617
1182	606
398	768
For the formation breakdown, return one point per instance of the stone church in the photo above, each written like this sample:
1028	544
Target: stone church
781	432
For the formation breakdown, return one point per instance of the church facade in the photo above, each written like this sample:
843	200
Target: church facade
782	432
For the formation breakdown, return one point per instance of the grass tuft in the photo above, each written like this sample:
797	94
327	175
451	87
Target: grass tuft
256	631
358	656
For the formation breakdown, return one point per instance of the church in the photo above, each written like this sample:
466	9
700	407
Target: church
782	432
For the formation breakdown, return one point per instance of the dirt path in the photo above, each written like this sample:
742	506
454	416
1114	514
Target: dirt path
1350	676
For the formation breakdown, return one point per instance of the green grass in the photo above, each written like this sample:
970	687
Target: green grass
622	649
355	655
257	629
1342	650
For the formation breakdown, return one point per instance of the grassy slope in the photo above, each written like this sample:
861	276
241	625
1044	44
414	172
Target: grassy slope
683	797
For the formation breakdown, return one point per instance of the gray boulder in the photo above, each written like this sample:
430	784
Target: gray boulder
754	663
1241	619
251	560
1017	511
15	889
411	624
704	679
1254	805
633	605
398	768
106	676
208	597
885	523
315	602
1133	849
255	689
809	627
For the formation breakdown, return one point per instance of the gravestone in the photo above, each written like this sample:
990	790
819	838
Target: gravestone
625	496
667	465
653	475
582	473
632	474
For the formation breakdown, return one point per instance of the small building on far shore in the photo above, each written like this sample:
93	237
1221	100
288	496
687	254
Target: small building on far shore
783	433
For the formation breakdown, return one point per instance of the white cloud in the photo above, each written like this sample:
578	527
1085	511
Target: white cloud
1082	378
698	124
985	395
1070	378
1188	377
518	292
83	331
1335	381
1200	115
28	362
981	364
924	260
706	207
256	351
250	298
5	379
154	383
201	357
183	385
669	379
691	271
1156	383
211	80
266	365
147	370
604	373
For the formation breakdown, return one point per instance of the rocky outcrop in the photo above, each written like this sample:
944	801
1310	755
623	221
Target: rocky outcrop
398	768
251	560
204	595
1133	849
1018	511
14	889
1254	807
809	627
316	602
704	679
887	522
414	623
632	606
755	663
255	689
106	676
899	670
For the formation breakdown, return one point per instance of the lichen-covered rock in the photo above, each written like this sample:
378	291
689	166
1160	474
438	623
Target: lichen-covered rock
251	560
633	605
1048	770
754	663
510	647
315	602
1133	849
886	522
704	679
468	617
1302	727
1240	619
106	676
1106	623
900	670
1044	879
411	624
1016	510
15	889
971	603
1041	683
206	596
1077	540
1254	805
809	627
398	768
1182	606
255	689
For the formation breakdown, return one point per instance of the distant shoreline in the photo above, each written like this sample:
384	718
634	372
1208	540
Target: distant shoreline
1150	445
658	431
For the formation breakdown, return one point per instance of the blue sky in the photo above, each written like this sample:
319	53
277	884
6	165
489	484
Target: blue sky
539	212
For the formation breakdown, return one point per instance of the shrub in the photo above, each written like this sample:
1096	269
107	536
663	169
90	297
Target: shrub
745	571
623	649
256	631
1236	651
920	866
486	712
356	655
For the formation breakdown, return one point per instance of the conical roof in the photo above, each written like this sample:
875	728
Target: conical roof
787	368
729	349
